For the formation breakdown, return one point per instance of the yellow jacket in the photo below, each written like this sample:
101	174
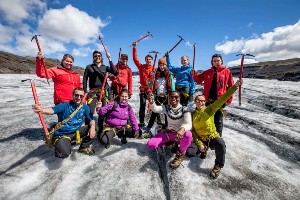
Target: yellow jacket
203	120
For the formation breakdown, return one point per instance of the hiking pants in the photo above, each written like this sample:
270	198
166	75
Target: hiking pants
216	143
219	121
160	100
62	145
162	138
106	137
184	95
142	111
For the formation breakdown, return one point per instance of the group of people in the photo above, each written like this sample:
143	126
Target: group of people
192	132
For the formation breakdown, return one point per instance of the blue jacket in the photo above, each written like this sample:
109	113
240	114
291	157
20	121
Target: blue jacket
183	76
64	110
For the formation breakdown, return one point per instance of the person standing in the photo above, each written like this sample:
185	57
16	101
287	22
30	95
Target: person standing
65	79
217	80
123	79
204	130
94	76
63	137
184	81
146	72
178	129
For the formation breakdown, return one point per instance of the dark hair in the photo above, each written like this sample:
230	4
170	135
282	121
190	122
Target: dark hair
199	95
78	89
98	52
216	56
174	92
148	55
122	91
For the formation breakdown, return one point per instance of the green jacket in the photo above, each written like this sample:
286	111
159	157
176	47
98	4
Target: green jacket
203	120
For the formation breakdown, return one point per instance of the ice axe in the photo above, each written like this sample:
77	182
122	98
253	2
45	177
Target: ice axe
43	61
103	44
194	46
36	101
155	56
241	75
175	45
148	34
106	74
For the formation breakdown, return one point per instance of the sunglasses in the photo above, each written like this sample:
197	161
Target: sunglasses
97	56
176	97
79	95
199	100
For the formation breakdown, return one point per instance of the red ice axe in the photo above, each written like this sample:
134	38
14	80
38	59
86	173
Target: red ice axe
36	101
145	36
175	45
43	61
241	75
151	83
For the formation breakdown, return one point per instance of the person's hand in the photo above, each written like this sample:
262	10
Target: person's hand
92	132
108	56
193	72
202	148
40	55
150	98
137	134
37	108
180	134
167	53
98	105
133	44
239	83
152	74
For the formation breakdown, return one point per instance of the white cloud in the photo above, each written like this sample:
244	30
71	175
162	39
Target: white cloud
281	43
238	62
6	34
15	11
82	52
70	25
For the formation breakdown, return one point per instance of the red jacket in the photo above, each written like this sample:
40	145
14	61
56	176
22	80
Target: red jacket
144	72
65	81
224	81
123	78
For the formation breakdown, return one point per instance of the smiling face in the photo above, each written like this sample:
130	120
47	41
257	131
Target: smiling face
216	60
67	61
148	60
78	96
174	99
162	67
124	97
185	60
124	60
97	59
199	101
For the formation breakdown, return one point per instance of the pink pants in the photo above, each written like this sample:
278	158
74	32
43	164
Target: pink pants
161	139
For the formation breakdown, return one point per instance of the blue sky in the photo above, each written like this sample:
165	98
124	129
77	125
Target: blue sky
268	29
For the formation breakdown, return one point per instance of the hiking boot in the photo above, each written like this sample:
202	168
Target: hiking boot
87	151
203	155
123	140
177	160
107	146
215	172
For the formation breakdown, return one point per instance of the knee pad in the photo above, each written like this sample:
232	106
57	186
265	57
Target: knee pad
62	148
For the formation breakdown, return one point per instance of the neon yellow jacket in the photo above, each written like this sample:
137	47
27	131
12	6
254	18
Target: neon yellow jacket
203	119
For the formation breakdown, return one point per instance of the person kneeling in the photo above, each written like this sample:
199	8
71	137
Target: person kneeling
204	130
120	120
178	128
74	111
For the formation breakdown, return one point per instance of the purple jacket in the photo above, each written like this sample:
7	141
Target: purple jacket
119	116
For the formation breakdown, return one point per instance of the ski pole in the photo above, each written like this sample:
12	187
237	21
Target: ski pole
43	61
36	101
241	75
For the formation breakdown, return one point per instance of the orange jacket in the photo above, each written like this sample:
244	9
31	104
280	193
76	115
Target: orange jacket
65	81
123	78
144	71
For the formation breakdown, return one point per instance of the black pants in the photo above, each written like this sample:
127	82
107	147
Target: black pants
106	137
184	95
62	145
217	143
92	106
219	121
161	100
142	111
113	93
